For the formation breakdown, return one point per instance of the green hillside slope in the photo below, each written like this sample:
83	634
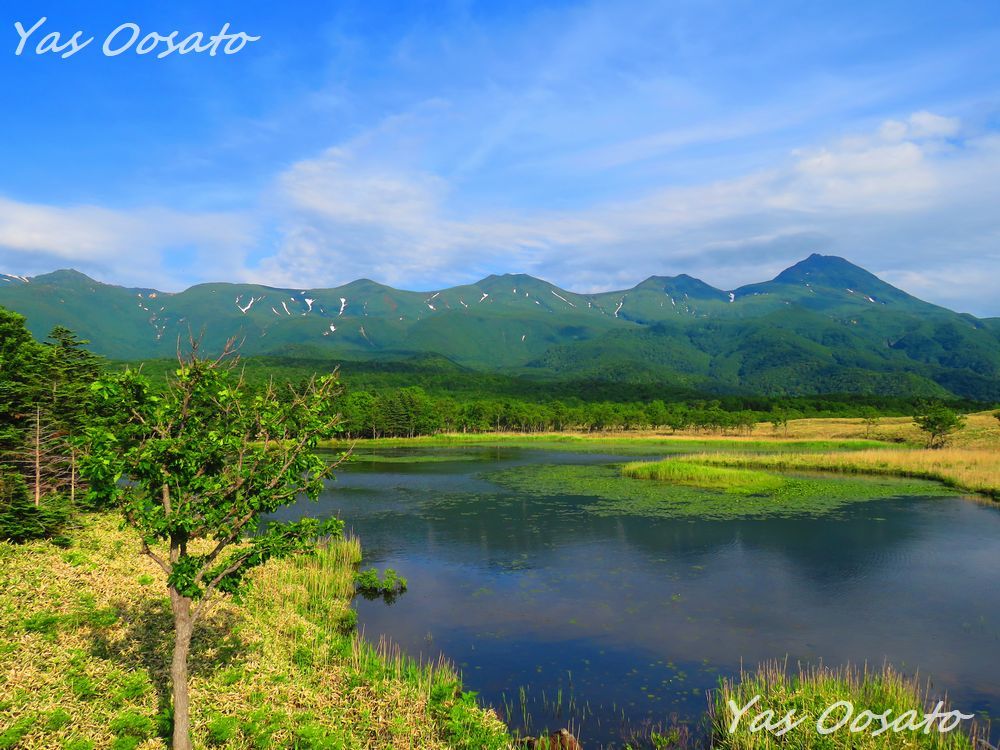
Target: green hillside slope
823	325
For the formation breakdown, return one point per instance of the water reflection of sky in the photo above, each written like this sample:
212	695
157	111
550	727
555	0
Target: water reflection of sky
641	615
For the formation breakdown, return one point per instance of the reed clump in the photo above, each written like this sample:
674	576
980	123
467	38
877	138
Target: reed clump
733	481
815	698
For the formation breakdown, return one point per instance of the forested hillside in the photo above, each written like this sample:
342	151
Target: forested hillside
822	326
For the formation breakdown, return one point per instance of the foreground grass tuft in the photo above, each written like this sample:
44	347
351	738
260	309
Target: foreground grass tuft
809	692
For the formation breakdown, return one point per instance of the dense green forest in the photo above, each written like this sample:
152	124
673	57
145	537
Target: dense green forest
44	402
427	394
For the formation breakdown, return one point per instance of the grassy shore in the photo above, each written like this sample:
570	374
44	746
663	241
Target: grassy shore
968	469
810	692
842	433
85	641
632	442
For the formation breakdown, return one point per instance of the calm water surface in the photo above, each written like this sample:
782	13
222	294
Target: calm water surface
634	618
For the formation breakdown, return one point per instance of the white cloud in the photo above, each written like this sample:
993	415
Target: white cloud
913	192
124	246
915	198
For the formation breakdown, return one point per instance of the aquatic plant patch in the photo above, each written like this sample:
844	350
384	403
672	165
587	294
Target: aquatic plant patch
612	494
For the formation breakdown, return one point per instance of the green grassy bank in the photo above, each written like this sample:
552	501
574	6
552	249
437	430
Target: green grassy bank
85	640
974	470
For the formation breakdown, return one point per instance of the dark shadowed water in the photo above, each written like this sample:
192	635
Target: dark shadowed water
635	618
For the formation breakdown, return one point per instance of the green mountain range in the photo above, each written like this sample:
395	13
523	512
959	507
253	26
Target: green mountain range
822	326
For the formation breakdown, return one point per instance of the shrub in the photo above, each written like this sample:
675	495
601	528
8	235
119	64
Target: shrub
347	622
939	422
370	586
21	520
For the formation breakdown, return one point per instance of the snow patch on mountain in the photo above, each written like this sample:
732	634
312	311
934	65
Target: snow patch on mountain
249	304
563	299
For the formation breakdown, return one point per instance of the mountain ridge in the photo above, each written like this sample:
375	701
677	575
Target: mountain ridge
809	263
820	324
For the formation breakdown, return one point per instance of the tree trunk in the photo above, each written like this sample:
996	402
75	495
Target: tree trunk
183	627
38	455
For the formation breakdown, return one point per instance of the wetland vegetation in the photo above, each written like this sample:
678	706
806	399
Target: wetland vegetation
539	516
695	494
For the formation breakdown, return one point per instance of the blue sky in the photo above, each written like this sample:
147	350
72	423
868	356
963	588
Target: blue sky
428	144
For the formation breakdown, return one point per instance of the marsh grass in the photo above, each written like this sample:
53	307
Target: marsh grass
733	481
969	469
809	691
982	430
640	442
85	640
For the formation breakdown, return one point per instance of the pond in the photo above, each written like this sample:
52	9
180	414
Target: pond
560	610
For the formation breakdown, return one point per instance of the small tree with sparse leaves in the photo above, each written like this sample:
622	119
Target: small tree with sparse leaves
938	422
201	463
871	417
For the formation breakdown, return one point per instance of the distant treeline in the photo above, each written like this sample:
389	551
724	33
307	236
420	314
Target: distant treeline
427	394
408	412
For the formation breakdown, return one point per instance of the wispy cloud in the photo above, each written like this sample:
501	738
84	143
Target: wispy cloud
140	246
915	190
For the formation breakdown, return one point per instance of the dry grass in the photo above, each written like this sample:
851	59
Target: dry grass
981	431
971	462
86	637
969	469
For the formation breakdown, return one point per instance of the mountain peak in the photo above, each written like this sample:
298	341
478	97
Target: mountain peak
831	277
826	270
64	276
522	280
682	284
